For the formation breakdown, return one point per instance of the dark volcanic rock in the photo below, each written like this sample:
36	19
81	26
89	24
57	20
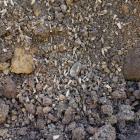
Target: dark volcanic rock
131	68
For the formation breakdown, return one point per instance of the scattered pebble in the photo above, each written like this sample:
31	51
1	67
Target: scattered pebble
107	109
10	88
126	113
4	109
46	110
30	108
106	132
118	94
131	69
47	101
75	69
78	134
68	115
92	130
136	93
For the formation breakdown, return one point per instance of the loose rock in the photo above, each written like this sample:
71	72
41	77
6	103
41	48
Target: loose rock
107	109
22	62
131	68
47	101
136	93
106	132
30	108
9	88
78	134
126	113
4	109
68	115
75	69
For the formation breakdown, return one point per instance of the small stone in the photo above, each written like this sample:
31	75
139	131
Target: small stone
47	101
107	109
36	9
125	9
39	110
69	2
3	132
75	69
4	66
30	108
52	117
22	131
9	88
78	134
14	118
46	110
62	97
125	113
111	119
131	67
106	132
4	109
38	87
56	137
5	56
63	8
136	93
92	130
118	94
71	126
68	115
40	123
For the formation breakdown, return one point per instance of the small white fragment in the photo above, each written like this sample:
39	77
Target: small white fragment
100	1
67	93
55	137
3	12
12	3
4	50
33	2
45	87
108	86
119	25
102	13
5	2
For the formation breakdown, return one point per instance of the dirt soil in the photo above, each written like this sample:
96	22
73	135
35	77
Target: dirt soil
61	70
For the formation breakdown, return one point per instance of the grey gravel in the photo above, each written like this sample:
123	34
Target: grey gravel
78	134
106	132
107	109
126	113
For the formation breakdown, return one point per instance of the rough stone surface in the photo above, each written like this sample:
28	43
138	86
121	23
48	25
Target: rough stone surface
75	69
106	132
68	115
126	113
22	62
10	89
107	109
78	134
131	68
4	109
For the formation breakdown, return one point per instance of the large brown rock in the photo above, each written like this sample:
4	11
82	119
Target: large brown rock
22	62
131	67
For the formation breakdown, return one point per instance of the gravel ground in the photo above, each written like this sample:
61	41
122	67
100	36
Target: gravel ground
61	65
